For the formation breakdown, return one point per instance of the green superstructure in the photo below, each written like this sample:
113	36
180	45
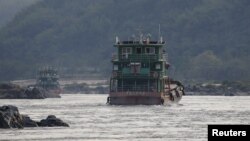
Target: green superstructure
139	73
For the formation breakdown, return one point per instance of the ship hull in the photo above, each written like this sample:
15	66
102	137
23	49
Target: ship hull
53	93
142	98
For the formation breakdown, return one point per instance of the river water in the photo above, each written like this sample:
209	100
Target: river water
90	119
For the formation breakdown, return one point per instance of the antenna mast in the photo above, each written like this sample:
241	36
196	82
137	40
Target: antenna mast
159	36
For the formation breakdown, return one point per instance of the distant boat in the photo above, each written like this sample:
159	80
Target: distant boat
139	74
47	78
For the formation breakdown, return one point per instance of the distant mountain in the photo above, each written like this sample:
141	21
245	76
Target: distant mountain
9	8
206	39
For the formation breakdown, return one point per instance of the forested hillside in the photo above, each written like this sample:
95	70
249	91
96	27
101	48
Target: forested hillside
206	39
8	9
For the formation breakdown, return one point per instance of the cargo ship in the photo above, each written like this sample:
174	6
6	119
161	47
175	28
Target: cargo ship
139	74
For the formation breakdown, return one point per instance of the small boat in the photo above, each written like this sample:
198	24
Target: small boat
47	78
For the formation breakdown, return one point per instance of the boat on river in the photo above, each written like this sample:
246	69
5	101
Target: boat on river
47	78
139	74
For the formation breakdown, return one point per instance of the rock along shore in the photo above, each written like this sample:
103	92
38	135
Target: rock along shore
11	118
13	91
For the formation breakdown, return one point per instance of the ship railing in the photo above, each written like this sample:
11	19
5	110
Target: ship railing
139	57
134	88
152	74
132	75
48	76
114	57
140	42
165	56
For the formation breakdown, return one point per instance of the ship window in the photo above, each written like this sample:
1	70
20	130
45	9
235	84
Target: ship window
135	68
145	65
150	50
127	50
138	50
158	66
115	67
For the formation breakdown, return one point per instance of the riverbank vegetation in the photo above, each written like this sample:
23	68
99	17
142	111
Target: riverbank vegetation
206	40
227	88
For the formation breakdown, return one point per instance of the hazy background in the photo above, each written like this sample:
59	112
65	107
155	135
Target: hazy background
206	39
9	8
